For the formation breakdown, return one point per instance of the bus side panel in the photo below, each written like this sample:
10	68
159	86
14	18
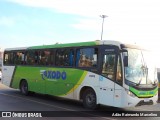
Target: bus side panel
8	72
53	81
32	76
62	81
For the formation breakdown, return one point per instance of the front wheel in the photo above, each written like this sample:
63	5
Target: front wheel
24	87
89	99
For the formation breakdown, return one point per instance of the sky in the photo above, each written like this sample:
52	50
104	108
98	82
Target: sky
41	22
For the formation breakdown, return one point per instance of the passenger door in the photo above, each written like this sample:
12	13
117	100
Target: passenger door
107	80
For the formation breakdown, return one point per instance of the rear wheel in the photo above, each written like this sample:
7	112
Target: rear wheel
24	87
89	99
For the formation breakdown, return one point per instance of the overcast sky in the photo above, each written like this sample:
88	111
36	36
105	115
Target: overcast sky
38	22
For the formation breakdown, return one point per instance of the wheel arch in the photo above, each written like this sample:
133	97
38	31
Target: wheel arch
83	89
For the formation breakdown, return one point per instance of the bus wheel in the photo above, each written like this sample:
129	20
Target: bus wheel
24	87
89	99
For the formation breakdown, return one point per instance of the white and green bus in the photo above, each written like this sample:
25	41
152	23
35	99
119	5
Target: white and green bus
98	72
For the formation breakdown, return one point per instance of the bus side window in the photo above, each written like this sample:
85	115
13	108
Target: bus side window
23	58
59	58
87	57
45	57
71	57
6	58
52	54
64	57
108	69
30	57
36	57
19	58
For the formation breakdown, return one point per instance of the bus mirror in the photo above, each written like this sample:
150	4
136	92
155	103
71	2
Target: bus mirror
125	57
124	51
125	61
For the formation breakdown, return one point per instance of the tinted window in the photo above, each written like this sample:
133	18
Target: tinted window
64	57
46	57
14	57
31	57
40	57
19	58
108	69
87	57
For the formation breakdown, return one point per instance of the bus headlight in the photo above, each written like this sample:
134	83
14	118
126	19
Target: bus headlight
130	93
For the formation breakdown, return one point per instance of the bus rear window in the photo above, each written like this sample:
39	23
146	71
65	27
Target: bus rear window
14	57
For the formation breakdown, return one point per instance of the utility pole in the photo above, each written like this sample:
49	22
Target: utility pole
102	16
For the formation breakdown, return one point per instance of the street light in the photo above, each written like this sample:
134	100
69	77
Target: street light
102	16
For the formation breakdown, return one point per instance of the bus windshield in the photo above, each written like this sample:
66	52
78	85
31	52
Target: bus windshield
141	68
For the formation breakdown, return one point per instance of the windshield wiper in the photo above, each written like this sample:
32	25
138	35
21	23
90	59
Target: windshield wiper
139	82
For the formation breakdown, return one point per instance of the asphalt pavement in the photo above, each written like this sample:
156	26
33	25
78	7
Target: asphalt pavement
14	102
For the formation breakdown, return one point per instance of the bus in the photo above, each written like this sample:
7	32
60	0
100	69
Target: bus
105	72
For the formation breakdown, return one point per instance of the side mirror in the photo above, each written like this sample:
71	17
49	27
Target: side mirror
125	57
125	60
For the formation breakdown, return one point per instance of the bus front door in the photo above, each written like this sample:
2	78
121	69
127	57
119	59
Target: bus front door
107	80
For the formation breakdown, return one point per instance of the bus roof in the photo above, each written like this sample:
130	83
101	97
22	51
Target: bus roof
18	48
78	44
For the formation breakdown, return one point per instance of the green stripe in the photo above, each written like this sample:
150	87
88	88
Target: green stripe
78	84
140	93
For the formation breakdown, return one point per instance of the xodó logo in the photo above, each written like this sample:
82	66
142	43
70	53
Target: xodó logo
53	75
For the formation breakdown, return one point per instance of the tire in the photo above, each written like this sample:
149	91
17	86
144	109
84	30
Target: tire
89	99
24	87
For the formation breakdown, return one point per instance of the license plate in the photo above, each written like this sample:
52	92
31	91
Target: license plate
146	100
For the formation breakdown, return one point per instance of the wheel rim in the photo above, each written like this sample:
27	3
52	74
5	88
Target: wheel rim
90	99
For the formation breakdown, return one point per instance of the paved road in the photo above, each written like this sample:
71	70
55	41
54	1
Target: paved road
12	100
